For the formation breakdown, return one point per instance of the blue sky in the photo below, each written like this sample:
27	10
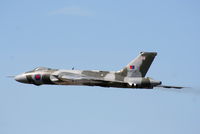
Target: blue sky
102	35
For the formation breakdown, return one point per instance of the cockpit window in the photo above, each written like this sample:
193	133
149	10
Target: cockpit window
42	68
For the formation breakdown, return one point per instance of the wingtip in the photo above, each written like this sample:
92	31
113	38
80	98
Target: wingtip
175	87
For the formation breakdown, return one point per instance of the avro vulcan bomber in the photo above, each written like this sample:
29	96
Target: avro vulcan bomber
131	76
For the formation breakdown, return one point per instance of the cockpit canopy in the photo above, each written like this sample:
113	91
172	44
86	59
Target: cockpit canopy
42	69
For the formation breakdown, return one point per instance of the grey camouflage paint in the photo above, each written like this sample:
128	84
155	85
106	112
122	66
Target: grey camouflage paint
131	76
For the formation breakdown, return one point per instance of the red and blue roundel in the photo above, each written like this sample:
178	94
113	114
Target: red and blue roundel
37	76
132	67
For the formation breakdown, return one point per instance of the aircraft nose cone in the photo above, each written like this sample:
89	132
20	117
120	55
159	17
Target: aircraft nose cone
21	78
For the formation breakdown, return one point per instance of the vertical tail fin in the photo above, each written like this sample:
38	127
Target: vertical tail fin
139	66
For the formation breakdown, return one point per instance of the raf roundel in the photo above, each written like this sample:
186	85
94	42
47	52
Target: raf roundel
132	67
37	76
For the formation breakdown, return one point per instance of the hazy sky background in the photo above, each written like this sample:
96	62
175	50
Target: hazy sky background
102	35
